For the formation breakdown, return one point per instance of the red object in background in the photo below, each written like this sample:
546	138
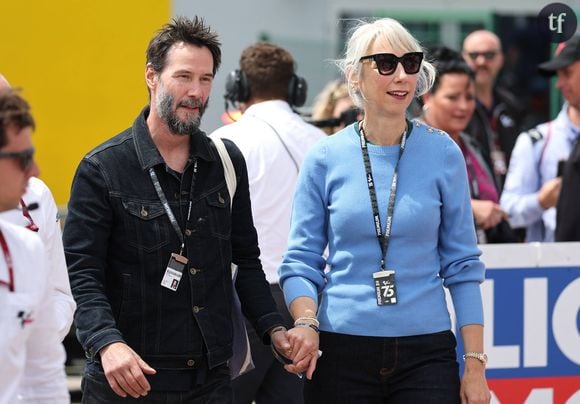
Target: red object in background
517	390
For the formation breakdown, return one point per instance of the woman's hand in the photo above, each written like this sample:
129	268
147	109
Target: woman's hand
487	213
303	350
474	388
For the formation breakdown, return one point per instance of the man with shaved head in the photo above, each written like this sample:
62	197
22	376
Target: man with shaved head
496	121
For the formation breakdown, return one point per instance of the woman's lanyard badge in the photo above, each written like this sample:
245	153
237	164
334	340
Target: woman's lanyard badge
384	280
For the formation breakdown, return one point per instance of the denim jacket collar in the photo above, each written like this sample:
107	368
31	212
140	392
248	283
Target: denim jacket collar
149	155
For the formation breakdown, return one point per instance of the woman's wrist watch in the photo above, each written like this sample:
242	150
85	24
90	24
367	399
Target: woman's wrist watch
480	356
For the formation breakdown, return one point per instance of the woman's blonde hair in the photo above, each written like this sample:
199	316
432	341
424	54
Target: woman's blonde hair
394	34
326	101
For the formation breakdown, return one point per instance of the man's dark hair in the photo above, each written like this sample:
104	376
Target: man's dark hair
447	61
14	112
268	69
183	29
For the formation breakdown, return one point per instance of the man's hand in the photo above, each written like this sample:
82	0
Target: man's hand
279	338
487	213
549	193
125	370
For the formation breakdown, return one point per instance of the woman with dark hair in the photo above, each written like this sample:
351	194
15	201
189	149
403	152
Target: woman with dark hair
449	106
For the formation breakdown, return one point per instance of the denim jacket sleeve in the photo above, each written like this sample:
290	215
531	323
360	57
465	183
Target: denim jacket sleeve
86	232
257	302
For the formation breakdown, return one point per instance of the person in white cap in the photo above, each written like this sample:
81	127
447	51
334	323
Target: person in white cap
532	186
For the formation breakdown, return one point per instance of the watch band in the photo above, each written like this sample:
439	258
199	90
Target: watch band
480	356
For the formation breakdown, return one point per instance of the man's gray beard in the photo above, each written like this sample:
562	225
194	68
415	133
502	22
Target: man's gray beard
176	126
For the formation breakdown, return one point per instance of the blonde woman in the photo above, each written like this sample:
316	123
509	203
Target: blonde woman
390	199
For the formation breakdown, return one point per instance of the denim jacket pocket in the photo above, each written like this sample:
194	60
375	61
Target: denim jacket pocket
147	224
219	212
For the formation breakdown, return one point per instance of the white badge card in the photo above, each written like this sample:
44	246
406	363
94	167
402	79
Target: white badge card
174	271
385	288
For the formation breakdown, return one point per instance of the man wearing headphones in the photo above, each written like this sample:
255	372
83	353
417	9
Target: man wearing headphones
273	140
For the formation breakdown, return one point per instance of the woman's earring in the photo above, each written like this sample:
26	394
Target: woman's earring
425	107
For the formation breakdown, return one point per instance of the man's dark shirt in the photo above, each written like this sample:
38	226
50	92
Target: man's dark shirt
568	208
118	240
501	124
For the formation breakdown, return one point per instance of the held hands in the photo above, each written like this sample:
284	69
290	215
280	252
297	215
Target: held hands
279	337
125	370
487	213
304	344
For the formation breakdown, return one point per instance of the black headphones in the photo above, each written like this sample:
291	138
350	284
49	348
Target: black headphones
238	89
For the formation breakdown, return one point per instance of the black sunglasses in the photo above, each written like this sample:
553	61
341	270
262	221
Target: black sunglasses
387	62
488	55
25	158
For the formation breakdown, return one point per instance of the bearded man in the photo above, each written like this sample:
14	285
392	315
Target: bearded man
150	237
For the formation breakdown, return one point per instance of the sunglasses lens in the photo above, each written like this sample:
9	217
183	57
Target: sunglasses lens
25	160
386	64
489	55
412	62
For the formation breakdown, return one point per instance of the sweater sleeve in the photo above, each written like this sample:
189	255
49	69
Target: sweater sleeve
302	269
461	269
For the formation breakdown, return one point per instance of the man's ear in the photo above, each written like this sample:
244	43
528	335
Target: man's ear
150	77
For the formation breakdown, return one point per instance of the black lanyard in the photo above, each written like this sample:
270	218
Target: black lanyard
9	265
385	237
166	206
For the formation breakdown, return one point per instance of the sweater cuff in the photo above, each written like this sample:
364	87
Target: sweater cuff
295	287
467	303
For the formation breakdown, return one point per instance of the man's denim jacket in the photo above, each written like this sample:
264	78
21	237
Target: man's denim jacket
118	240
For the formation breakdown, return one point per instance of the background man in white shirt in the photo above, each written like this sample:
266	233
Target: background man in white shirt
273	140
31	356
45	220
533	185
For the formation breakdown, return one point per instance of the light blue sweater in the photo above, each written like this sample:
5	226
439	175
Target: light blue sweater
432	244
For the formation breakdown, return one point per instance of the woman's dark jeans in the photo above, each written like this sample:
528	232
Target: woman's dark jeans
396	370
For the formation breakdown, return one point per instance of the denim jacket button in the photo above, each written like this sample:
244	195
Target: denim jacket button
187	232
190	362
193	271
144	212
196	309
